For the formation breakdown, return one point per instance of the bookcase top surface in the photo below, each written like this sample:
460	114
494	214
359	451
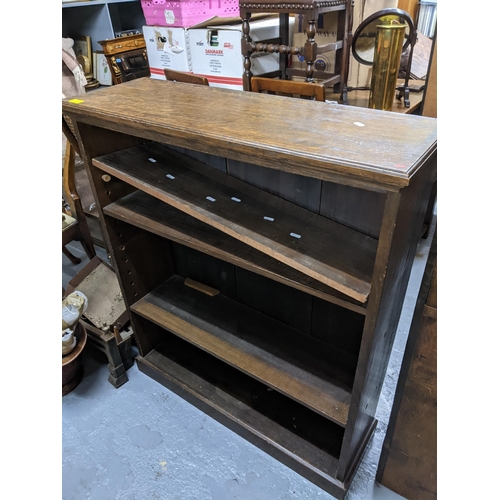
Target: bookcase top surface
351	145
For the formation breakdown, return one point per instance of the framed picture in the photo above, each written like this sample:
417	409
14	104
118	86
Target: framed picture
82	46
83	51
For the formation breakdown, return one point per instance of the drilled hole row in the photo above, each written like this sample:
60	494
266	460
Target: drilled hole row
125	259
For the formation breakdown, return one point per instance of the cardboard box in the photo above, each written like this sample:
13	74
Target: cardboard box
216	52
166	48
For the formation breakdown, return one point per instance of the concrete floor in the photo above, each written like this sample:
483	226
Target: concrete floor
142	442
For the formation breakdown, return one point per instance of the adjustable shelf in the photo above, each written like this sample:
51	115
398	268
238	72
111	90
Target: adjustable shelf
328	252
144	211
282	358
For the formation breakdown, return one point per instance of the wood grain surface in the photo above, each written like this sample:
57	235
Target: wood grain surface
326	251
282	358
149	213
346	144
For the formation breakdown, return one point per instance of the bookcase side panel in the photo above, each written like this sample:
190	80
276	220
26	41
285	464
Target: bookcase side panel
401	229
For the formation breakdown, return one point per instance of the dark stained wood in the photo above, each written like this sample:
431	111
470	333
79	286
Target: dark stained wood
139	275
400	232
328	319
230	345
408	462
205	268
303	191
146	212
279	356
279	301
357	208
117	350
324	250
266	418
214	161
288	88
355	146
181	77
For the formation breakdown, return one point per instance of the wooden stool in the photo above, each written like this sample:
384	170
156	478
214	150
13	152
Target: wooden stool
310	10
117	348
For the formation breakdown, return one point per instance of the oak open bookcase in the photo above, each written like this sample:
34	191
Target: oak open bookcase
263	245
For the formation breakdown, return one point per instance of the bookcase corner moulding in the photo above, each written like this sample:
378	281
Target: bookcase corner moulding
264	276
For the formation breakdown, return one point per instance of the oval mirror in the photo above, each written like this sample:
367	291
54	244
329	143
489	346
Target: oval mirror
363	41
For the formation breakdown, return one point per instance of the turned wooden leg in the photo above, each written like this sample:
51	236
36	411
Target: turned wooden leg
247	62
310	49
74	260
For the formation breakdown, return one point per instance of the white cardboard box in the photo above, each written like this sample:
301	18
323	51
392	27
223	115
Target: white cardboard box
216	52
166	48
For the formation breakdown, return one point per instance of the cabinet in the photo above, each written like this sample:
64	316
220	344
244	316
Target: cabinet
100	19
264	259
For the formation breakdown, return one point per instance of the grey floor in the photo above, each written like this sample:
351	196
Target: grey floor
143	442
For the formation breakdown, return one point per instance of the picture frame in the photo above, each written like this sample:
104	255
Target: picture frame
82	46
83	50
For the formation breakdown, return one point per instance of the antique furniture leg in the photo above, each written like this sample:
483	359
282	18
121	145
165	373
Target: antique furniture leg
247	63
310	49
73	258
118	352
284	34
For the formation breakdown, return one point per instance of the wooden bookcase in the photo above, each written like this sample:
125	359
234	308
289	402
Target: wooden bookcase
263	245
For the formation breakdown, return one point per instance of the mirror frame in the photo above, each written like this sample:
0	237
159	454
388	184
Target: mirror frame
411	40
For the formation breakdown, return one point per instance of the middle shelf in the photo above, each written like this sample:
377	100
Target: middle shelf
326	251
318	376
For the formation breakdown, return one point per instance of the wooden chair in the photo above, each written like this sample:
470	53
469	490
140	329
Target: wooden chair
178	76
74	224
289	88
308	13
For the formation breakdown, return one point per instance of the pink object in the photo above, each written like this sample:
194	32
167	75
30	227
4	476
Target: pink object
186	13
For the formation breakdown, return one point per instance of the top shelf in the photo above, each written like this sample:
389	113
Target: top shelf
366	148
328	252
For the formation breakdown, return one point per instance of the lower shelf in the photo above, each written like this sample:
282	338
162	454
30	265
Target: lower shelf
301	367
298	437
